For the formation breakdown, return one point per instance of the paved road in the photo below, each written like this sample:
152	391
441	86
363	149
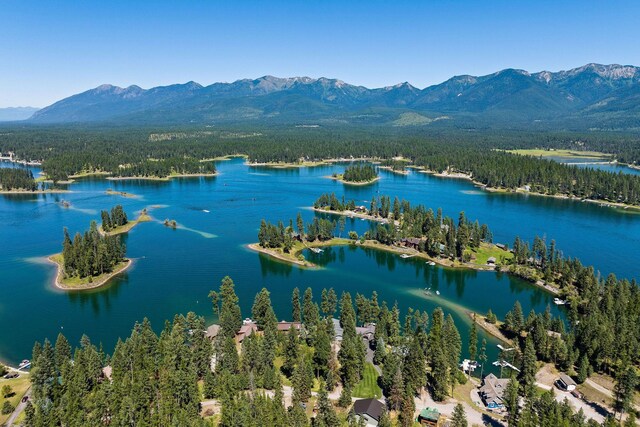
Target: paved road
18	409
591	410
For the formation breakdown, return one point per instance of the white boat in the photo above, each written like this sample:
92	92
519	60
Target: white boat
205	211
24	364
405	256
558	301
431	263
437	292
317	250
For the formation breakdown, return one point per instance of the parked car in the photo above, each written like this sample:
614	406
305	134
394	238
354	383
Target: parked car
577	394
11	375
25	398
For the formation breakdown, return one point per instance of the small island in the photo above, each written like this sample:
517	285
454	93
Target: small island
117	222
124	194
465	244
90	260
359	174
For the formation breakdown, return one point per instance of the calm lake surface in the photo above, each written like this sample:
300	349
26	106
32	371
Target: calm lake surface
174	270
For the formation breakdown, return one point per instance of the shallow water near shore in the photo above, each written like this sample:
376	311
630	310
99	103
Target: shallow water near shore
174	269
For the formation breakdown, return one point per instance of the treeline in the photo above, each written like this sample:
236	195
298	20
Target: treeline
604	312
116	218
153	379
91	254
276	236
149	379
17	179
127	152
437	234
359	173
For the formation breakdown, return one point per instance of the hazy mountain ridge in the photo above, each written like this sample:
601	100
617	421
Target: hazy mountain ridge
593	90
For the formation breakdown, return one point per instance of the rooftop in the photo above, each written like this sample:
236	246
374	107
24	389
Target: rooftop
371	407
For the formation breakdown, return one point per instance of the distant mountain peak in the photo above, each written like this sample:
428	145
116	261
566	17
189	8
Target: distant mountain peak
507	95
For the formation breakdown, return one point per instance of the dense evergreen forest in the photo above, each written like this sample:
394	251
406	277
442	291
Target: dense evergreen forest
115	219
437	234
152	379
17	179
91	254
148	152
359	173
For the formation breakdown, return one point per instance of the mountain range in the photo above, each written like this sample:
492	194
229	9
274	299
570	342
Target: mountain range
594	95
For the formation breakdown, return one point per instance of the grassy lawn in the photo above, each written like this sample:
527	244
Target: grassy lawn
368	386
594	155
19	385
485	251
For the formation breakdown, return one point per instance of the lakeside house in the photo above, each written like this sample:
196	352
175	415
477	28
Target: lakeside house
491	260
367	332
369	410
411	242
565	382
248	327
501	246
212	332
430	417
492	391
284	326
360	209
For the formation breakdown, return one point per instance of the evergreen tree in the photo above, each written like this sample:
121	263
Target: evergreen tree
295	305
459	418
626	382
327	416
473	340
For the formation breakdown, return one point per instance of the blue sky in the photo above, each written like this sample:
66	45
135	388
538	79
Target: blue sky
53	49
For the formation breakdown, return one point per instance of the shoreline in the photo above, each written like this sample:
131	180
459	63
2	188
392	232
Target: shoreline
53	191
143	217
158	178
460	175
122	267
359	183
489	328
398	172
124	194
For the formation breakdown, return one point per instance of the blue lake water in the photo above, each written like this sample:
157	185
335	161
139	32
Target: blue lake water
174	270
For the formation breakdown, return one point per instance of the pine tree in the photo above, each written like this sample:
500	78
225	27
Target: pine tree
295	305
510	399
528	369
327	416
623	392
290	352
396	393
473	339
459	418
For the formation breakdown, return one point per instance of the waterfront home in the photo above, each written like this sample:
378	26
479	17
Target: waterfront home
368	410
501	246
429	417
411	242
565	382
367	332
285	326
360	209
491	260
212	332
248	327
492	391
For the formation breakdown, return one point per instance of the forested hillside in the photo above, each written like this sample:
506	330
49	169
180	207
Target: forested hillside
143	152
